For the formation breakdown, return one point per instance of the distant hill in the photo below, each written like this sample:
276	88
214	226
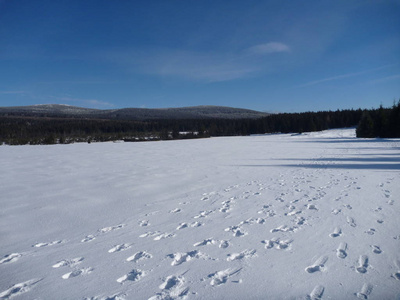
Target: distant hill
195	112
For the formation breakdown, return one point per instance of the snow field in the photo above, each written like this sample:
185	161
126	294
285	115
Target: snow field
311	216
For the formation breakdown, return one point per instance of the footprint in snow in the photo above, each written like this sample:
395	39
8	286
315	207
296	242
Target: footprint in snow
141	255
174	211
19	288
205	242
236	230
284	228
319	265
164	236
181	226
88	238
370	231
224	244
277	243
149	233
351	221
13	257
341	250
221	277
336	232
180	257
133	275
362	264
39	245
316	293
365	291
68	262
77	273
118	248
144	223
172	288
242	255
397	274
203	214
111	228
376	249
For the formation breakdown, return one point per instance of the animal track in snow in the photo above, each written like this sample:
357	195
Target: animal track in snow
68	262
376	249
341	250
13	257
205	242
164	236
112	228
336	232
319	265
139	256
365	291
362	264
221	277
316	293
336	211
242	255
39	245
18	289
133	275
118	248
77	273
179	258
88	238
173	288
351	221
174	211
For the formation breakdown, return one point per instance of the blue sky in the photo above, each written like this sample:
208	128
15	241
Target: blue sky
276	56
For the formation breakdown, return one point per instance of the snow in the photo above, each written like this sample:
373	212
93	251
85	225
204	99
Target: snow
308	216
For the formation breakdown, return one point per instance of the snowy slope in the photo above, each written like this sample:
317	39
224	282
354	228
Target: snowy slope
263	217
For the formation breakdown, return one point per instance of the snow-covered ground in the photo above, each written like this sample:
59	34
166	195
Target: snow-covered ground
262	217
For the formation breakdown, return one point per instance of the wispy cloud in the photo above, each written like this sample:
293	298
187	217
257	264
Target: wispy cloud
13	92
331	78
197	65
268	48
387	78
338	77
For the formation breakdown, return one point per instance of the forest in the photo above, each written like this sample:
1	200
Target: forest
22	130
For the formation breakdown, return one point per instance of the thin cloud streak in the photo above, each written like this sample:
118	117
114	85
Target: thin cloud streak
268	48
342	76
198	66
13	92
388	78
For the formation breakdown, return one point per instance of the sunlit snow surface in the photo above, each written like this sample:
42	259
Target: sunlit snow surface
310	216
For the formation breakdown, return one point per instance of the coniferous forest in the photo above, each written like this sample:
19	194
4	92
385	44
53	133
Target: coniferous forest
21	130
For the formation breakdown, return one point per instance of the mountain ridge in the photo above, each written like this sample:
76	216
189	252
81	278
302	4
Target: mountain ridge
190	112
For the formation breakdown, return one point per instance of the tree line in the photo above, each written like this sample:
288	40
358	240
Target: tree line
382	122
21	130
